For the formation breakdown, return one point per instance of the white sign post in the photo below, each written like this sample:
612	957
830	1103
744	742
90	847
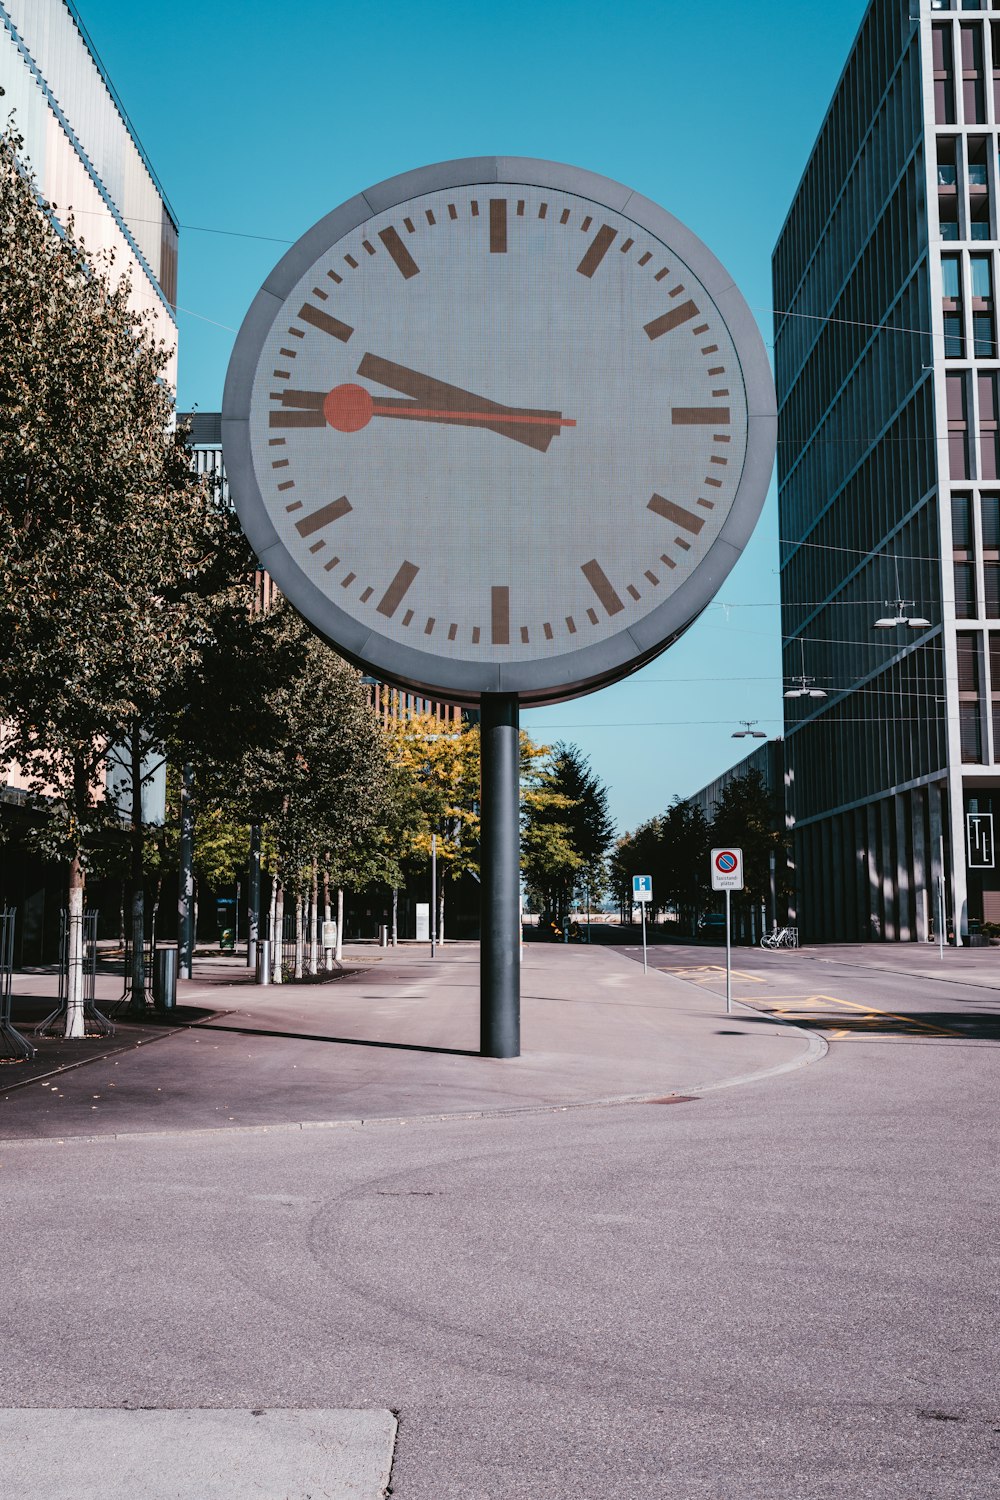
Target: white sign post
642	894
727	875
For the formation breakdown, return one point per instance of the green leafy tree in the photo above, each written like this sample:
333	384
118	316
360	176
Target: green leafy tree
110	548
567	832
745	816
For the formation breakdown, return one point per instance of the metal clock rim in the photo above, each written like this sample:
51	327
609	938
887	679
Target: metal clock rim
588	667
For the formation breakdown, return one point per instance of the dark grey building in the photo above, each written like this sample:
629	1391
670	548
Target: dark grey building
888	386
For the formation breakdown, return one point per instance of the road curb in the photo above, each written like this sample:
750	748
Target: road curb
816	1049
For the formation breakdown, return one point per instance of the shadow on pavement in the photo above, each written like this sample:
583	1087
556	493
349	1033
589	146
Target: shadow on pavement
344	1041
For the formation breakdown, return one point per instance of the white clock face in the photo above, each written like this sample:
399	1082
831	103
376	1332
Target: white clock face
496	423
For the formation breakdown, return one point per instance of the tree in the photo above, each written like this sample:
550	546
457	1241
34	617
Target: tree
110	548
745	817
567	832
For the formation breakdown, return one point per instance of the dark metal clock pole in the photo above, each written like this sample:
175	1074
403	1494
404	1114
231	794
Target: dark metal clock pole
500	847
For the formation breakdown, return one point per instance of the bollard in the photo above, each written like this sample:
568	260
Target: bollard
263	960
383	937
165	979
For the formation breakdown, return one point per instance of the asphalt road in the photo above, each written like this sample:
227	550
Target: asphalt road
784	1290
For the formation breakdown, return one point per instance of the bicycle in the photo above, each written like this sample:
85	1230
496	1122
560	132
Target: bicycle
781	937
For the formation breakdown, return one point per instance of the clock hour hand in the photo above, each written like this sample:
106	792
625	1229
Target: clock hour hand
436	401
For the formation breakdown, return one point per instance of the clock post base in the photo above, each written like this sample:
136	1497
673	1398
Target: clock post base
500	877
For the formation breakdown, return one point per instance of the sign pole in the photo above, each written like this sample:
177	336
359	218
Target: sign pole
500	877
434	892
729	957
642	908
941	911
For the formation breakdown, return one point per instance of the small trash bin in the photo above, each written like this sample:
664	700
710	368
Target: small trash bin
165	979
263	960
383	937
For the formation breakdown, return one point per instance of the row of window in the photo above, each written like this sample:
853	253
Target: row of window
978	695
968	321
965	187
839	170
973	401
976	555
965	61
812	263
891	731
842	342
841	526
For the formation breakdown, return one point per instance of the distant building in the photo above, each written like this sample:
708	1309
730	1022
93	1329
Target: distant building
388	702
888	381
769	761
86	157
89	163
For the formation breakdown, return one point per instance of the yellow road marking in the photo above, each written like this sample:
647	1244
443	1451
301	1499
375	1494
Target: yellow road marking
869	1013
711	971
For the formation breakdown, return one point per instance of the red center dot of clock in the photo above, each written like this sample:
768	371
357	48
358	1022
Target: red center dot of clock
348	408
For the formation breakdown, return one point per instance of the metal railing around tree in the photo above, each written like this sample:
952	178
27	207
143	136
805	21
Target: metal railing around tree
94	1022
11	1040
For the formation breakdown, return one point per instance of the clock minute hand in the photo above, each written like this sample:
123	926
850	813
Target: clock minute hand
462	408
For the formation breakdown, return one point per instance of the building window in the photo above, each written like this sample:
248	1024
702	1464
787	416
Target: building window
944	79
965	591
973	98
969	689
951	277
989	456
958	426
991	590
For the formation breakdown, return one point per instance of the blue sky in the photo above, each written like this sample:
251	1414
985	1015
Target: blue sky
259	118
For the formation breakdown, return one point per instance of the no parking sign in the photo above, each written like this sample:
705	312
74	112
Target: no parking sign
727	869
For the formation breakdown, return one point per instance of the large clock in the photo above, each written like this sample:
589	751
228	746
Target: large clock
499	426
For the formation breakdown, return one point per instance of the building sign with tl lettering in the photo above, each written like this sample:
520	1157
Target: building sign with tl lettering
979	840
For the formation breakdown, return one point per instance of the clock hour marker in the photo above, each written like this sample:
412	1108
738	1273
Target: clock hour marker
597	250
324	322
500	615
676	514
429	627
498	226
571	625
547	628
404	261
476	633
408	617
601	584
652	578
592	616
634	591
317	519
396	592
452	631
694	416
626	247
673	319
525	638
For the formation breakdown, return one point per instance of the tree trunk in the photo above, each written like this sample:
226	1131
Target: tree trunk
314	920
278	931
299	934
74	951
327	917
338	955
395	915
138	897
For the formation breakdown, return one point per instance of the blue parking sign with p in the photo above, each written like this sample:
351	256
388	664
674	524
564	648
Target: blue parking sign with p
642	889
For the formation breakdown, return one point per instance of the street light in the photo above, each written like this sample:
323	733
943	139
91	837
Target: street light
901	612
801	685
748	732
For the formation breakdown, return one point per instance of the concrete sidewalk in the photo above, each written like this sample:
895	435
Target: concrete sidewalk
399	1041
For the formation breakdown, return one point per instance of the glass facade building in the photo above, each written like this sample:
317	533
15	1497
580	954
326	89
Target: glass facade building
888	381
